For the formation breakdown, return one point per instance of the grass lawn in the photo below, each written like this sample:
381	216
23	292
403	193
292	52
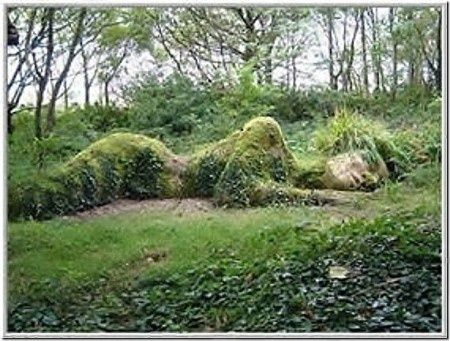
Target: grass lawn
265	269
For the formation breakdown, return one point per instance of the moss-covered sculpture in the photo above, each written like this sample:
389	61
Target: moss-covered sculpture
250	167
119	165
350	171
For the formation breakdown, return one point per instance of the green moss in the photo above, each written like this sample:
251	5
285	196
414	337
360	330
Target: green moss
120	165
251	167
310	171
270	193
233	170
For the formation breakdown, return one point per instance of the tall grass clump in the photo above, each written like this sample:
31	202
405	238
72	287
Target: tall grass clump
348	131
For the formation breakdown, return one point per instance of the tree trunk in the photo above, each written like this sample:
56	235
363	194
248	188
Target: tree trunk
351	57
411	72
411	62
376	53
343	59
66	96
294	73
268	71
106	93
268	67
87	90
394	53
333	83
63	75
100	93
364	52
9	120
87	84
43	79
438	74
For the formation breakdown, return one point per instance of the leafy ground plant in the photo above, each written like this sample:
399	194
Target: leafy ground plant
347	131
392	285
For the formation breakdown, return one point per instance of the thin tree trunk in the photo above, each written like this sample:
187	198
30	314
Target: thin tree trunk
343	58
364	52
333	84
85	76
288	76
411	72
63	75
351	55
106	93
411	66
394	53
66	95
100	94
268	69
9	120
294	73
438	74
43	79
375	53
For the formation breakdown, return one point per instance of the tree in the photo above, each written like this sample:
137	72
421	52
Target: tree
91	52
364	50
393	34
20	78
203	42
117	46
73	41
43	72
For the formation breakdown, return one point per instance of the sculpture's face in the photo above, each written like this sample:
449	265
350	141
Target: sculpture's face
13	35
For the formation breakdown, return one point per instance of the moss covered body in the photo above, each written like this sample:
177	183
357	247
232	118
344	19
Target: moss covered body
120	165
251	167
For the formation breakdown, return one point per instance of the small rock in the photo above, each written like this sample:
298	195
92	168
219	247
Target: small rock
338	272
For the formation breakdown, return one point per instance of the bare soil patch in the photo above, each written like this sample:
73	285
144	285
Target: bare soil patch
178	206
341	204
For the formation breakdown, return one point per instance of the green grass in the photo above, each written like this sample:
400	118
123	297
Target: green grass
75	250
58	263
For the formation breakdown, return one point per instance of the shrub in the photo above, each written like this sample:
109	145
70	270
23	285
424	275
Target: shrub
105	118
425	175
348	131
420	147
296	105
175	103
247	99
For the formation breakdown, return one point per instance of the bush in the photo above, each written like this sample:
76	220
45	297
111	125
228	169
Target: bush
422	146
297	105
105	118
247	99
176	104
348	131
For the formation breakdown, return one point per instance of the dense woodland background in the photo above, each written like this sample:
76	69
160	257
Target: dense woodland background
361	50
